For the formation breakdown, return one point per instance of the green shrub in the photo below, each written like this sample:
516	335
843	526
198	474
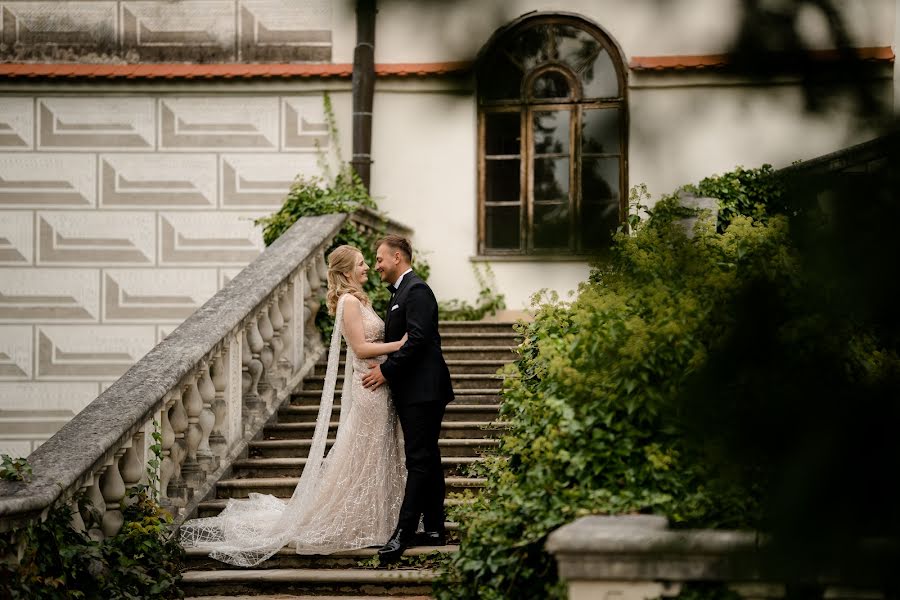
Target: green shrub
142	561
589	401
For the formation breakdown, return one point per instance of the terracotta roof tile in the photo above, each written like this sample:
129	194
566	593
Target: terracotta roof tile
717	61
219	70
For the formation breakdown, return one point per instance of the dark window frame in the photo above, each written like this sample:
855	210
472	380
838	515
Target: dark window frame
526	105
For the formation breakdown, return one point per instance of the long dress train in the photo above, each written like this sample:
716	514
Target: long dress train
350	499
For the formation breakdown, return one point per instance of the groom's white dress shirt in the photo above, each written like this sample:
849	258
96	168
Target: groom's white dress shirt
397	283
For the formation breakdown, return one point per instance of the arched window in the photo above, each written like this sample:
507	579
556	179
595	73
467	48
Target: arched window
552	139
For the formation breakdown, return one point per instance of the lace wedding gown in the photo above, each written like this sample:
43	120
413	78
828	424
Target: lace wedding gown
350	499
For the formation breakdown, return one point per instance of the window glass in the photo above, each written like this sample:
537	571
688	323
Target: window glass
551	132
551	226
501	180
502	227
551	84
600	131
502	133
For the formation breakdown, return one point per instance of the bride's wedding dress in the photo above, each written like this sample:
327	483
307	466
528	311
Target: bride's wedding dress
350	499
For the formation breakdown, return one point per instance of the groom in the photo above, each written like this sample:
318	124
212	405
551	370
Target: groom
420	387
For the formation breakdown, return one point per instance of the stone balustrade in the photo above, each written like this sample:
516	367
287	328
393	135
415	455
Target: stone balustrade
639	558
207	389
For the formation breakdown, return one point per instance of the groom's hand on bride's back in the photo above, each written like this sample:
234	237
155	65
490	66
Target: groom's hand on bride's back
374	379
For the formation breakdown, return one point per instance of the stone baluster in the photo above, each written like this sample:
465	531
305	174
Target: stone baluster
113	488
286	308
277	320
132	467
218	442
207	419
253	403
167	468
97	506
178	418
311	305
77	520
322	271
266	356
193	403
246	359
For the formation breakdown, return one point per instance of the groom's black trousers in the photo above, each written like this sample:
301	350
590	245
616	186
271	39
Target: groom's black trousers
425	487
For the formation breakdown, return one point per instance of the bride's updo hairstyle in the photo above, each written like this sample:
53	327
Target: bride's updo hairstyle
342	260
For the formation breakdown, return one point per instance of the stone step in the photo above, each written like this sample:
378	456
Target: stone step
283	487
449	429
475	326
300	448
292	467
372	582
466	338
462	381
463	396
457	366
293	413
479	352
211	508
287	558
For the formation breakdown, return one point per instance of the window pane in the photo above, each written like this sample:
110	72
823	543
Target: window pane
499	78
501	180
599	179
551	226
576	47
598	224
551	132
599	80
533	47
550	85
551	179
501	227
502	133
600	131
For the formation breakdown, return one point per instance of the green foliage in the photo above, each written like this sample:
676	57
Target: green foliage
755	193
488	303
14	469
341	192
141	561
593	400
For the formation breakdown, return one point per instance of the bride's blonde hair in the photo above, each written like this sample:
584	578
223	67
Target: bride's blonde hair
342	260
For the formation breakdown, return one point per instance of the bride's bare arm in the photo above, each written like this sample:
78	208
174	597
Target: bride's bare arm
353	329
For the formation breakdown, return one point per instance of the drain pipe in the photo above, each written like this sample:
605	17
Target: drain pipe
363	89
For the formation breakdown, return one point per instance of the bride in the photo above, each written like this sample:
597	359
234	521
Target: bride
351	498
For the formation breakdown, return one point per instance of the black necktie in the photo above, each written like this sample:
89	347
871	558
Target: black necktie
391	289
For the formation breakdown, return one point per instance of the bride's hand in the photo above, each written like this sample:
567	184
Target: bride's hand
404	338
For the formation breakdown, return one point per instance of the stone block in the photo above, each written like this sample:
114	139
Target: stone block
96	123
167	181
30	295
95	238
261	180
155	295
209	239
89	352
48	180
218	124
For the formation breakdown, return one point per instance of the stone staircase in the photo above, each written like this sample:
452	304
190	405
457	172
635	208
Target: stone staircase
474	351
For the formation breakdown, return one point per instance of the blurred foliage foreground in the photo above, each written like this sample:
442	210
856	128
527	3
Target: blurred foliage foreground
745	377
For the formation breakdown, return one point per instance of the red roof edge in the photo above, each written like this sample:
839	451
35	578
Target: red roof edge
220	70
713	61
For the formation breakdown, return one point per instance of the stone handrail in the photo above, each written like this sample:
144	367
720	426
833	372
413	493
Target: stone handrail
209	387
639	558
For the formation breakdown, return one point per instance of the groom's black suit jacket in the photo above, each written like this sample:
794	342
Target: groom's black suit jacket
417	373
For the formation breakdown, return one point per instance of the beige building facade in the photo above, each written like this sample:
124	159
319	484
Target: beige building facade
128	193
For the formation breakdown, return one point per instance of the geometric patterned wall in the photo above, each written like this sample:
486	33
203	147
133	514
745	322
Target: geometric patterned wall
120	216
167	30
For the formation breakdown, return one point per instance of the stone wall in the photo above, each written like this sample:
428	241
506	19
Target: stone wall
119	216
166	30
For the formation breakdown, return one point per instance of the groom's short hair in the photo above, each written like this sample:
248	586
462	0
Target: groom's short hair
396	242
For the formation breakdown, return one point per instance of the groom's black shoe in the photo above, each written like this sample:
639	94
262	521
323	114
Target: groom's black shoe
431	538
393	550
